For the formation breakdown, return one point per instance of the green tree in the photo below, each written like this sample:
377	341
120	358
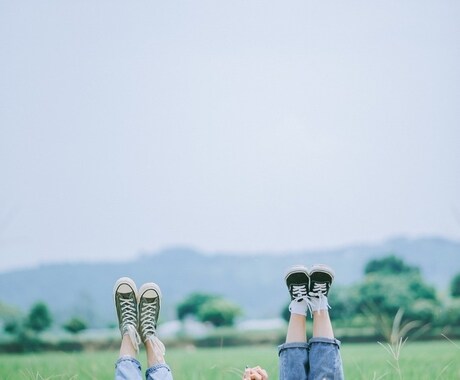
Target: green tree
219	312
11	318
455	286
39	317
343	301
191	305
12	326
389	293
285	313
392	288
75	325
452	314
389	265
208	308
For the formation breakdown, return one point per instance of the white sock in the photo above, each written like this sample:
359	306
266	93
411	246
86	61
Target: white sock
319	303
131	331
298	307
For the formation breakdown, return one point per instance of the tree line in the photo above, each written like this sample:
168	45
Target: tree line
393	291
390	288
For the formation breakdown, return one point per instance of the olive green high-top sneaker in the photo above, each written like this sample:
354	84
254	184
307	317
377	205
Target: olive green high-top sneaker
149	311
125	297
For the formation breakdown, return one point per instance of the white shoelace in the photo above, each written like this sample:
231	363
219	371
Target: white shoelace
158	345
133	336
147	322
128	312
148	328
128	324
299	292
318	288
318	299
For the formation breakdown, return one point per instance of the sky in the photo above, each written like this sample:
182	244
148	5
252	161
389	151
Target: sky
226	126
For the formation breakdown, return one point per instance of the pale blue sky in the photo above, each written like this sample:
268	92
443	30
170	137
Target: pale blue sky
225	125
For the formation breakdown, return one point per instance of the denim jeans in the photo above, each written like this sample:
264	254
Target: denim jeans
128	368
319	359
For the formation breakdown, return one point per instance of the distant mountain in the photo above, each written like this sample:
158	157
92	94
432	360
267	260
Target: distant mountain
254	281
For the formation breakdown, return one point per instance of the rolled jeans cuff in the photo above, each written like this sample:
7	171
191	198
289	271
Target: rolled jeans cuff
286	346
324	340
129	359
159	371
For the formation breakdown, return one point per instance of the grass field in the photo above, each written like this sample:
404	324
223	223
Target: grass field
428	360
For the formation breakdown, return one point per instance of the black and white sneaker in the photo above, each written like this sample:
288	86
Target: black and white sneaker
321	277
298	284
125	297
149	311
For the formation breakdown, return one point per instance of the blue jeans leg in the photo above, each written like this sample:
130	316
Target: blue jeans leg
325	362
293	361
159	372
127	368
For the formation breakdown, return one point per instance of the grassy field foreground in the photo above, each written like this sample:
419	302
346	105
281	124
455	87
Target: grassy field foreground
428	360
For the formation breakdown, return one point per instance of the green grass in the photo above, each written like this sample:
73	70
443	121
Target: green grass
428	360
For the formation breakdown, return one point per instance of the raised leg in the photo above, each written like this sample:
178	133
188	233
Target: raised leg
149	311
293	354
325	362
322	326
127	366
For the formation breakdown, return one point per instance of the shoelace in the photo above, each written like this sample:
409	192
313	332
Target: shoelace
319	289
134	336
158	346
299	292
148	328
148	319
128	312
318	299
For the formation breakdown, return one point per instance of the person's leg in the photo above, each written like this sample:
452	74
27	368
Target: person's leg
127	366
126	347
293	354
324	350
149	310
297	328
